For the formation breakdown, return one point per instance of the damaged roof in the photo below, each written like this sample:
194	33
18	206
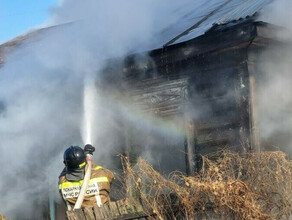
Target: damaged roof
200	18
193	20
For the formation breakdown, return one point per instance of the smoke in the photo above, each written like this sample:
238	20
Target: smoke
42	85
274	95
275	98
278	13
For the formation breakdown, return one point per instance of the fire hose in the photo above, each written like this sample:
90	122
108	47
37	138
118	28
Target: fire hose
85	183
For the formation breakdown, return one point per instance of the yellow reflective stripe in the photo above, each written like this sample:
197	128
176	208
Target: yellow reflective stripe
97	167
102	179
70	184
82	164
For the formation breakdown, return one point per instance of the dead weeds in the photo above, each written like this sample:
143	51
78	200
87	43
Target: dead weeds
251	186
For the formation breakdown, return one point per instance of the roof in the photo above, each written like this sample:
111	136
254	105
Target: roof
244	10
192	20
202	16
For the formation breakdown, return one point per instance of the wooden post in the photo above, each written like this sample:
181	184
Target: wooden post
254	129
71	215
243	111
190	147
88	212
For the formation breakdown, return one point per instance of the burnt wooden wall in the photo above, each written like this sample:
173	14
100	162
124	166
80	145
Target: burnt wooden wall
219	90
206	82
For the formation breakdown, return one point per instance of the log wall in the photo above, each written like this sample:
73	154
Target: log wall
206	82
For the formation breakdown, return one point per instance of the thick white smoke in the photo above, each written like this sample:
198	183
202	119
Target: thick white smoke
274	99
42	87
278	13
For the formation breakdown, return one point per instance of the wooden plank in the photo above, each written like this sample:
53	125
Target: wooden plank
88	212
254	128
98	213
104	212
80	215
122	207
114	209
152	85
214	123
216	140
164	98
107	211
120	210
71	215
190	147
133	216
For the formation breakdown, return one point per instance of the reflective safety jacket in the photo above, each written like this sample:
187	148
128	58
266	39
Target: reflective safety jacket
97	192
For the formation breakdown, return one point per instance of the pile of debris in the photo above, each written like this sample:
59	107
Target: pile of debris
250	186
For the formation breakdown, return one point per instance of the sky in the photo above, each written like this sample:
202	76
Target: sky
18	16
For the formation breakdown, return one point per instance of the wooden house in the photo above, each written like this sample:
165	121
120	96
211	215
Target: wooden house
200	73
205	77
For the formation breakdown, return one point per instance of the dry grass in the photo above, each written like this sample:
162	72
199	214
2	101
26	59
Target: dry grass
252	186
2	217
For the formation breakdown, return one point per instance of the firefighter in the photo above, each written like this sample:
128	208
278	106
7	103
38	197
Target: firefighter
71	178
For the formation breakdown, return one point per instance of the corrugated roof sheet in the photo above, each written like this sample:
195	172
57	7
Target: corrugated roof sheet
187	16
196	17
246	9
200	18
206	25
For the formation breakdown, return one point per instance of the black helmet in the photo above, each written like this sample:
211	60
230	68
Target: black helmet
74	157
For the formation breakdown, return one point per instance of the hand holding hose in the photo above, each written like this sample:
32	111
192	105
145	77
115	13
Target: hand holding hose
89	149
